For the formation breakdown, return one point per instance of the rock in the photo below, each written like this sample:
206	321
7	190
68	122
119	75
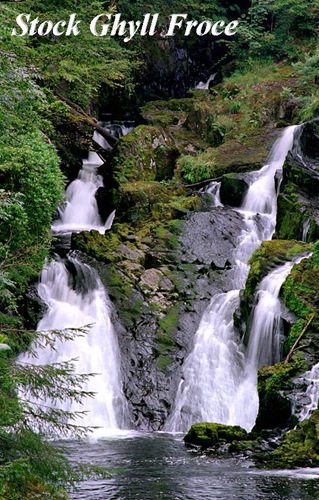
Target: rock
209	238
269	255
207	434
298	203
233	189
309	140
299	447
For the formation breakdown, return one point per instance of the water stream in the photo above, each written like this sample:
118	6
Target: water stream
212	374
218	381
75	297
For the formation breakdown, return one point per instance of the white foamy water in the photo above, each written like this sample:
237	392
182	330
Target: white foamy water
309	397
75	299
213	373
213	191
80	211
205	85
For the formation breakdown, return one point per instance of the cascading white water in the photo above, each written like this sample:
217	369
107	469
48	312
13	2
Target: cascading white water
80	210
305	231
265	332
264	344
213	372
213	191
75	300
205	85
310	397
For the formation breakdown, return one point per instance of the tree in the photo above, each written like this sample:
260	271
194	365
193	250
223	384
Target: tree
30	465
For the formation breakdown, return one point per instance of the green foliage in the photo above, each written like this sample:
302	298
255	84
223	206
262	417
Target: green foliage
270	28
195	169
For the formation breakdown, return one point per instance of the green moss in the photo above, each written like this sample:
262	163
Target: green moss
289	218
274	408
97	245
166	337
268	256
209	434
299	447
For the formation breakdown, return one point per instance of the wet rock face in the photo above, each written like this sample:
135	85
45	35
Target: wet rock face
160	286
298	202
175	66
210	238
309	140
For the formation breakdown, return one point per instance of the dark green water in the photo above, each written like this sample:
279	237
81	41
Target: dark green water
159	466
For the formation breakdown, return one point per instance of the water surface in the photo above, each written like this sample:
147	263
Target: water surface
160	467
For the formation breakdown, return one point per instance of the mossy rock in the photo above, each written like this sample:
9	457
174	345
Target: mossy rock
305	176
138	152
274	408
299	447
100	246
208	434
290	219
165	113
301	296
233	189
269	255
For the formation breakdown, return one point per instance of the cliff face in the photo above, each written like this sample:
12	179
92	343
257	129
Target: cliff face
168	254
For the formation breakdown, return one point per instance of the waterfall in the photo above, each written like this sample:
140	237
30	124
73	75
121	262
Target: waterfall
305	231
265	332
75	297
205	85
80	212
264	344
213	190
213	372
305	402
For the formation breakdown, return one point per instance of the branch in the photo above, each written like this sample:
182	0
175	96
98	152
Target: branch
298	339
89	120
203	182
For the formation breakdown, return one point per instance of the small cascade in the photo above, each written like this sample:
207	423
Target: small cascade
75	297
305	231
80	212
205	85
213	372
117	128
213	190
264	343
305	402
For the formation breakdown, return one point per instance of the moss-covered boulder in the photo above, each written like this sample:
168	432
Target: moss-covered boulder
298	204
208	434
166	113
269	255
299	447
233	189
